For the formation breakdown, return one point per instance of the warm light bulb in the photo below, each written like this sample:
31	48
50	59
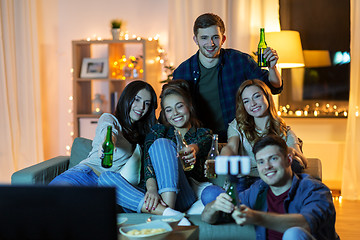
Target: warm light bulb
67	147
150	39
138	38
71	98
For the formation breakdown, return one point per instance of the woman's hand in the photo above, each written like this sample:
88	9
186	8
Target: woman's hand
190	154
152	198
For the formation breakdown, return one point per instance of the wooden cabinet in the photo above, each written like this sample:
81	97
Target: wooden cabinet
142	55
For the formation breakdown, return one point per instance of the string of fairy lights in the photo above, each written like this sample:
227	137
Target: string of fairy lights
122	68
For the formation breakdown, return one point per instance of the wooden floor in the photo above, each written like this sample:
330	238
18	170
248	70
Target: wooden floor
347	219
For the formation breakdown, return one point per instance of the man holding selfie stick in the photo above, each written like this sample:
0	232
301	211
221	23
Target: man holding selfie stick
281	204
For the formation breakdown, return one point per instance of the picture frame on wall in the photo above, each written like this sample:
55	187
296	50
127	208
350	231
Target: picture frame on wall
94	68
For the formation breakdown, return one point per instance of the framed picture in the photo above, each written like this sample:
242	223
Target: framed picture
94	68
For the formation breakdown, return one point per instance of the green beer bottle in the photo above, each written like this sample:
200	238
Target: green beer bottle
231	192
108	150
261	48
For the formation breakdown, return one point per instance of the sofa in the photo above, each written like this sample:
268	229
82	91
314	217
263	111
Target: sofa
42	173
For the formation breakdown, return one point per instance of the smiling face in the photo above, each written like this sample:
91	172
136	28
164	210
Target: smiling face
176	112
255	102
274	168
209	41
140	105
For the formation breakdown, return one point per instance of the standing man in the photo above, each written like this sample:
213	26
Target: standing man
215	74
282	205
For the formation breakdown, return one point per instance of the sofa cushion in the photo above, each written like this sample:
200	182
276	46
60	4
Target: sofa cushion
79	150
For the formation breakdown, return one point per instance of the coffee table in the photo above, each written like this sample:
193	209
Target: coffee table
178	233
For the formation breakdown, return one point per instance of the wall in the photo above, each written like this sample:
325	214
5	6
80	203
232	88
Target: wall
60	22
323	138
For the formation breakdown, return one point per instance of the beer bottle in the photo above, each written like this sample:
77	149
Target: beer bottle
261	48
108	150
232	193
180	145
210	161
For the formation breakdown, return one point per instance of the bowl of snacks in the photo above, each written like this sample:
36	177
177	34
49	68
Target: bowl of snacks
172	220
153	230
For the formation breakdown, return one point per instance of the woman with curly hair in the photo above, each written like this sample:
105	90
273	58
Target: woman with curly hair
256	117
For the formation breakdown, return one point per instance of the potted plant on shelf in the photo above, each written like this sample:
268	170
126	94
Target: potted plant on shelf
116	28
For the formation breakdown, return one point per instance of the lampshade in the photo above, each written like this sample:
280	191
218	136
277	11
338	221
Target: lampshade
317	58
288	46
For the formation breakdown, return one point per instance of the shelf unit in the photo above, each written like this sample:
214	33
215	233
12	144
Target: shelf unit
84	89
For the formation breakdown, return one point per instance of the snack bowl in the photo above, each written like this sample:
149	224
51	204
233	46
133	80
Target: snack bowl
171	220
128	231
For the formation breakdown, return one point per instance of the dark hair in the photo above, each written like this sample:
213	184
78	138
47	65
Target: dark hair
181	88
246	123
135	132
271	140
207	20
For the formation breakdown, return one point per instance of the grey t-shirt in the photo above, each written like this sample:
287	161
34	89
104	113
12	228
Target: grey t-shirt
210	108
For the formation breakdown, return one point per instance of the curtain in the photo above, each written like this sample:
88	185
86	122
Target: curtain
21	142
351	165
242	19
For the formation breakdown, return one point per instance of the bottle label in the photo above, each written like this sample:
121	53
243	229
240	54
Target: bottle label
261	58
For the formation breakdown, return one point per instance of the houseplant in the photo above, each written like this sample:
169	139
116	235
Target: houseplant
116	28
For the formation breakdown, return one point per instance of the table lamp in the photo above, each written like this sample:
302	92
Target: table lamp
288	46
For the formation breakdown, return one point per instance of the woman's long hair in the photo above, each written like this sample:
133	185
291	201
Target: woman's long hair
181	88
246	123
135	132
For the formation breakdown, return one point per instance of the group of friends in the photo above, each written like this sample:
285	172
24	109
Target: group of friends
220	91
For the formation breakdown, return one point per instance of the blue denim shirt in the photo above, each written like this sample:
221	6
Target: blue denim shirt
307	196
234	68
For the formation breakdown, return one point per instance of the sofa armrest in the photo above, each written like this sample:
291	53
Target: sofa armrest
41	173
314	168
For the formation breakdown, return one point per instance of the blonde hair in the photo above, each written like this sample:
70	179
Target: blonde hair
246	123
